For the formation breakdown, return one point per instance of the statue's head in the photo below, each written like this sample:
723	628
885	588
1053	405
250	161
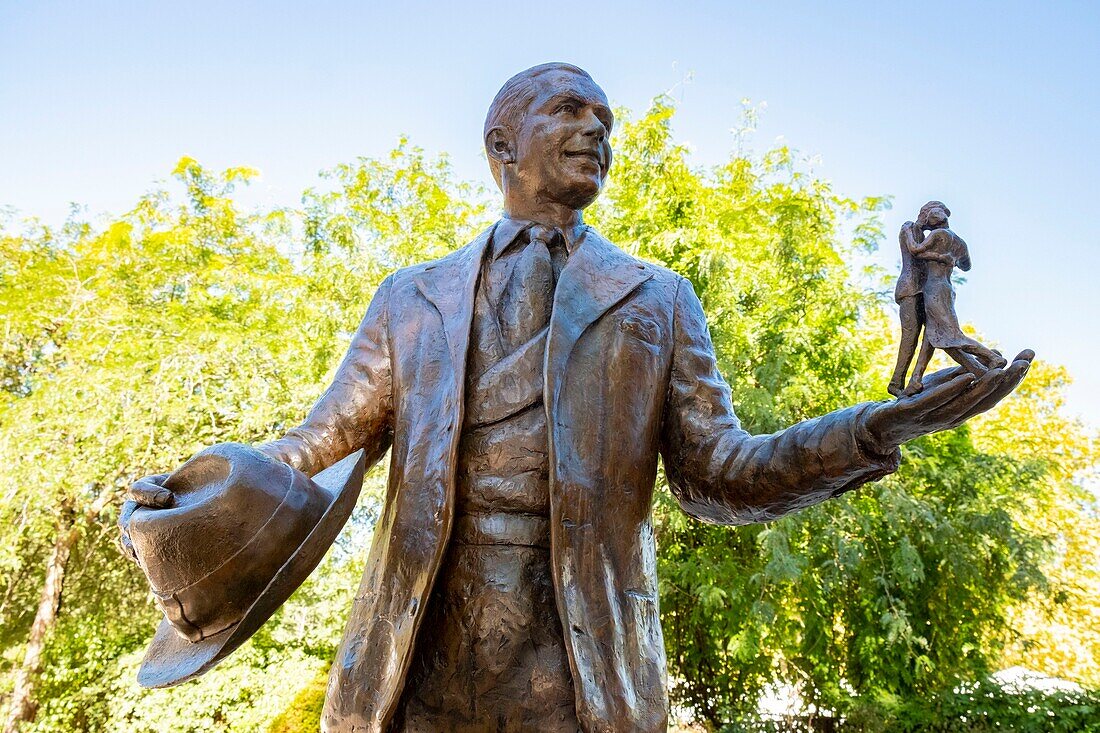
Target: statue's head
547	136
933	215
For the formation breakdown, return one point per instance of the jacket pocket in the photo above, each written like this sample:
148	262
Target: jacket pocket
641	329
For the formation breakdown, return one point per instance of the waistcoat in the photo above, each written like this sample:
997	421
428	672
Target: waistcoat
491	654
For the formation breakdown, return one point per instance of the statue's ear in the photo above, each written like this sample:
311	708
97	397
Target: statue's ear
500	144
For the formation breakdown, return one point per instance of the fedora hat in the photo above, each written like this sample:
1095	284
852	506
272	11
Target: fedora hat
241	533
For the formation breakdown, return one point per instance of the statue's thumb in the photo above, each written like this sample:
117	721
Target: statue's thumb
149	494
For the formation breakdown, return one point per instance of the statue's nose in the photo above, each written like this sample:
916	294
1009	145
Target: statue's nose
593	127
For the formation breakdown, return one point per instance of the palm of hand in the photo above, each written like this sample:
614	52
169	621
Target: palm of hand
950	398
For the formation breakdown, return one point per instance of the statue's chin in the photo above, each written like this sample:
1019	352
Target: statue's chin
581	196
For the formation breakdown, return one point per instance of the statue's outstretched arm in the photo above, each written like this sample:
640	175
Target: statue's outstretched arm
719	472
356	411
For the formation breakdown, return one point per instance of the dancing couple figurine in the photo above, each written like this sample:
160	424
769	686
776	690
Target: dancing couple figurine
926	299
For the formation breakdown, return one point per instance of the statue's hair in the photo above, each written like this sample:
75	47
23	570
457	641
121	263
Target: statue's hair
922	217
511	103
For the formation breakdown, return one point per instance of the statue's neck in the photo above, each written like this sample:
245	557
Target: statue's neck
549	214
569	221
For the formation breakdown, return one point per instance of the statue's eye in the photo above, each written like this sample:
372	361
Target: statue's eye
567	108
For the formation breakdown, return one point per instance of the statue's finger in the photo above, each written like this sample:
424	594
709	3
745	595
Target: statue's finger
156	497
932	399
126	545
149	492
1010	379
943	376
957	412
998	383
949	409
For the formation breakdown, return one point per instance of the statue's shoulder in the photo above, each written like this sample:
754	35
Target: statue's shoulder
460	259
660	275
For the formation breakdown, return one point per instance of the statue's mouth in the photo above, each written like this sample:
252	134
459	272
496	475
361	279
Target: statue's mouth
592	155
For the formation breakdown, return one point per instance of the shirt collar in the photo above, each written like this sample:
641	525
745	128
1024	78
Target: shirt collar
508	230
505	233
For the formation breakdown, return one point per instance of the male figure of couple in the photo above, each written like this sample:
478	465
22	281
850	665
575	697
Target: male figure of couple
926	299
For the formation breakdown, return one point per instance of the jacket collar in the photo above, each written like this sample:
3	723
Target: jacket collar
504	233
597	276
508	230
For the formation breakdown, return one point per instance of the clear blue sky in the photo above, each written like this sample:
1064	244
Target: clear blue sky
992	107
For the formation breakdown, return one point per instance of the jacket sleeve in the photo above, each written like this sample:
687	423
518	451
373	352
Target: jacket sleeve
356	411
720	473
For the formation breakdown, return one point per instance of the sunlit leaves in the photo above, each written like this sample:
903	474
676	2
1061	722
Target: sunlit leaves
185	322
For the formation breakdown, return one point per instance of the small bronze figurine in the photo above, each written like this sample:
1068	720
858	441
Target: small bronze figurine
926	298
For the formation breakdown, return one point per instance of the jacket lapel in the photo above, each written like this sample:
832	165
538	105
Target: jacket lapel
450	286
597	277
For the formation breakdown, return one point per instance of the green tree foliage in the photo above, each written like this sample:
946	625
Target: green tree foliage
126	347
304	710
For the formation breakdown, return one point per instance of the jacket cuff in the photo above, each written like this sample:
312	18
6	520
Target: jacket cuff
869	465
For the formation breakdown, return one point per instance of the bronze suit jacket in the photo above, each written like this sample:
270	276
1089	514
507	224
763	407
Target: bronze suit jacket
630	372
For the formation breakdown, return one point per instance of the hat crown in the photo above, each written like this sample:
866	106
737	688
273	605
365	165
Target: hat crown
237	515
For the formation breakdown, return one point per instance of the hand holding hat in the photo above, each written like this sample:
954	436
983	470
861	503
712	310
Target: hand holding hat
148	492
224	541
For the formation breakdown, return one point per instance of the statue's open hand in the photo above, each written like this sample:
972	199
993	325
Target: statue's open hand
149	492
950	397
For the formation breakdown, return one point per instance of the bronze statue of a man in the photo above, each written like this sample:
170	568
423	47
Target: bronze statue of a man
525	386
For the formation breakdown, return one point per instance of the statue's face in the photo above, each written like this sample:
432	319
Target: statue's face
563	151
936	218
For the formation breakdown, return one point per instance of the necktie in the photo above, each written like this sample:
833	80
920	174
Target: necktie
554	241
525	305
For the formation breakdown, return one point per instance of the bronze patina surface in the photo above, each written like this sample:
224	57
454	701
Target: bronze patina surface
224	542
525	386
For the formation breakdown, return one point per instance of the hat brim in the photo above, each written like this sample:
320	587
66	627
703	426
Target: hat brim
172	659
